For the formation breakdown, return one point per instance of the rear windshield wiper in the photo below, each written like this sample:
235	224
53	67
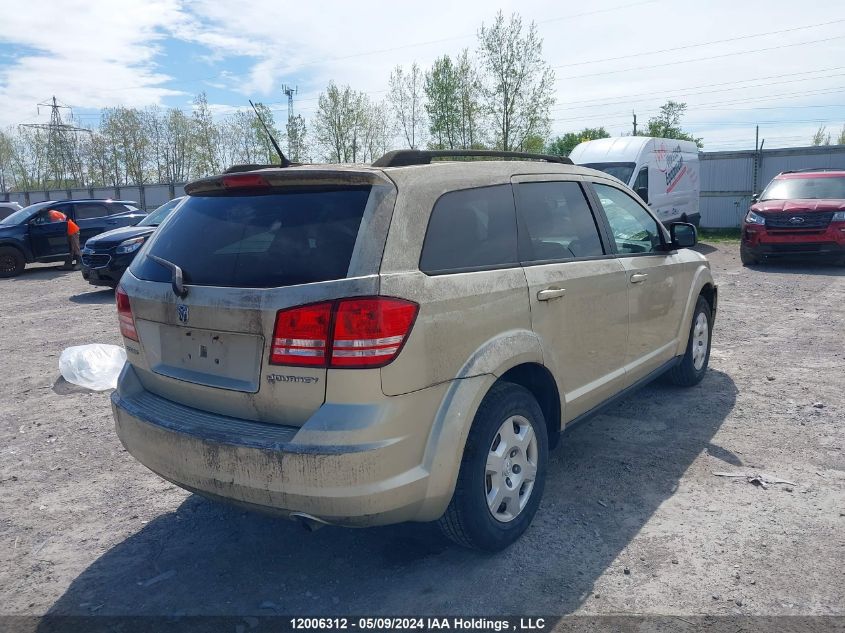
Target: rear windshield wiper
176	279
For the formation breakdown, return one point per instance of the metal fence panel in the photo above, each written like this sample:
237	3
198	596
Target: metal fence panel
104	192
727	174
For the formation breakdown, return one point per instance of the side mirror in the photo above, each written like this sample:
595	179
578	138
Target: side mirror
683	235
755	197
642	192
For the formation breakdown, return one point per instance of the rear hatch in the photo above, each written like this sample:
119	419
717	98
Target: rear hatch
249	246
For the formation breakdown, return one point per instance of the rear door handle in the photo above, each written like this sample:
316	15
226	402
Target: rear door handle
638	278
550	293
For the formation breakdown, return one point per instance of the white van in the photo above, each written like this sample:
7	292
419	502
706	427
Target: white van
663	171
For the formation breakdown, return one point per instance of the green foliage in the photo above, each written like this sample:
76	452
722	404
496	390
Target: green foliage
452	91
517	85
667	124
822	136
563	145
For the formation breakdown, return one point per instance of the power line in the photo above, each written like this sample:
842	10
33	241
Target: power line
625	99
710	43
701	59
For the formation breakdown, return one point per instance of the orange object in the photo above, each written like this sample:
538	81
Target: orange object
72	227
56	216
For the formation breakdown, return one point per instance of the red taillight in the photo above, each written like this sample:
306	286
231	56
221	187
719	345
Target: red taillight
369	332
301	335
124	315
359	332
244	181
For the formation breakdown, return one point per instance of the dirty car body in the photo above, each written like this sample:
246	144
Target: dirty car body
343	329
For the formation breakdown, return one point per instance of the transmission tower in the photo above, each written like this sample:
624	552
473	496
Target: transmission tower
289	91
62	159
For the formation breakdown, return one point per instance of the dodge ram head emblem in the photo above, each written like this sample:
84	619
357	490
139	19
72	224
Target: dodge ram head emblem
796	220
182	311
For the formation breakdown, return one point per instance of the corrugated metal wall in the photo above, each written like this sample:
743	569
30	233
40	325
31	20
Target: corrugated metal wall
727	178
147	196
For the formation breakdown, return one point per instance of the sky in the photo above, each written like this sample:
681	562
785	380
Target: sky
775	64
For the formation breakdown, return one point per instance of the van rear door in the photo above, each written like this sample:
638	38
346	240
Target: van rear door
248	253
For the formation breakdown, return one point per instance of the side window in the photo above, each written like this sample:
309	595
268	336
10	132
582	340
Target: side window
558	222
641	184
471	229
117	207
634	230
88	210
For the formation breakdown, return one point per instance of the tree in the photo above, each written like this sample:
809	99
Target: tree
296	135
452	91
518	87
377	131
206	138
406	99
126	131
822	136
339	124
667	124
563	145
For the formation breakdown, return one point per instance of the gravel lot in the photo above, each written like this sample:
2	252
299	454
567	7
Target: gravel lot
633	519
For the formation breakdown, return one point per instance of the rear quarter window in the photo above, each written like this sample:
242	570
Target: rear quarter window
262	240
471	229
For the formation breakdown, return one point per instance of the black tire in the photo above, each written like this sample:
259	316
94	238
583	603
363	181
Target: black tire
746	257
12	261
685	374
468	520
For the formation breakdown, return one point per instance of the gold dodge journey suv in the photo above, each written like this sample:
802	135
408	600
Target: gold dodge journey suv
403	341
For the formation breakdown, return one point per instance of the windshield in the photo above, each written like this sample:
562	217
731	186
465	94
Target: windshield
281	238
815	188
622	171
157	217
19	217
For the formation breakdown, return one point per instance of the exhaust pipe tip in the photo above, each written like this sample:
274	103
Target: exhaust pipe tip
307	521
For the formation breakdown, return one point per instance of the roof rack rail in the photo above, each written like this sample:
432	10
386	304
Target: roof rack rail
406	157
807	169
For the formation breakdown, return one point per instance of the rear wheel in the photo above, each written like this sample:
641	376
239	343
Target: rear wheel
503	471
12	261
693	365
746	257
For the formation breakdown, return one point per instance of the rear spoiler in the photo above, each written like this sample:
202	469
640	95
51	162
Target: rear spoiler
285	177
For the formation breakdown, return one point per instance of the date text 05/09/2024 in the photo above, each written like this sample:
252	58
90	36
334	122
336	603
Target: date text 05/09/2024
421	623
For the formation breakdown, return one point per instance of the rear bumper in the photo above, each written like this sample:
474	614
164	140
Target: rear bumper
356	476
765	243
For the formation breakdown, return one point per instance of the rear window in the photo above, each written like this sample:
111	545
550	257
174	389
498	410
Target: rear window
267	240
471	229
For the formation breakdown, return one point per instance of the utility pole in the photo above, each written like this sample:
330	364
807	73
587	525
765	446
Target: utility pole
290	91
635	122
60	151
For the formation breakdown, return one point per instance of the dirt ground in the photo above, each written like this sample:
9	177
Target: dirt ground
633	519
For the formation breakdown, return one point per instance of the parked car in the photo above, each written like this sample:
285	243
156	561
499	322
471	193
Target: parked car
8	208
664	172
27	236
106	256
363	345
798	213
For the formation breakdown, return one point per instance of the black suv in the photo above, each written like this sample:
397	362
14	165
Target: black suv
27	236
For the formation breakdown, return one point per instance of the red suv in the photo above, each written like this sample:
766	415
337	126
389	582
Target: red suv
798	213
